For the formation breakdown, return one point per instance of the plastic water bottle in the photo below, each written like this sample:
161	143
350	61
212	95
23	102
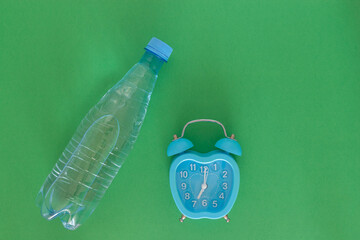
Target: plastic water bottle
101	143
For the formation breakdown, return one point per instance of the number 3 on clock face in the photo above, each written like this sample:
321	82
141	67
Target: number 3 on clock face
204	185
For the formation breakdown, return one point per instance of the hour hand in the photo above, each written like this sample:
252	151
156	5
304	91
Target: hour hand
201	192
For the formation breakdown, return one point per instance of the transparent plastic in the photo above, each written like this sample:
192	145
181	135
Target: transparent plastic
99	147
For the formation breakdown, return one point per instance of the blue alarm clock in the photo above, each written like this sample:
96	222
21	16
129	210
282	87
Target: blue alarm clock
204	185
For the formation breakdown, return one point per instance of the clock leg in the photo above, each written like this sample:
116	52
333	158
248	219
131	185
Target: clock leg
182	218
227	219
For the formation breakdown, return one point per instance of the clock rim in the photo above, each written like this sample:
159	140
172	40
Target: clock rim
204	158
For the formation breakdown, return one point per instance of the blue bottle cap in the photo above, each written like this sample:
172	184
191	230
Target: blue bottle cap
159	48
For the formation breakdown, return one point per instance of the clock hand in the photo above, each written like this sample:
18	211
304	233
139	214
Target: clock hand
206	173
204	185
201	191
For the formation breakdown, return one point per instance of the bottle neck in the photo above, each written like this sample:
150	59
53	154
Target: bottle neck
152	61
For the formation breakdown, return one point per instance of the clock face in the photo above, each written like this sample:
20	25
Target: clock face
204	186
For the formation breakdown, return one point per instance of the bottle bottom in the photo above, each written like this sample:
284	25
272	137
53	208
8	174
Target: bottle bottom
67	218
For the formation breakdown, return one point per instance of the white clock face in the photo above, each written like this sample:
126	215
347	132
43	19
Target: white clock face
204	187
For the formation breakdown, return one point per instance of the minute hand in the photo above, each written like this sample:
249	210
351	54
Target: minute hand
206	173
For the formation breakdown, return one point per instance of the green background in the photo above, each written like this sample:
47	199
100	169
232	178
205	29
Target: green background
282	75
